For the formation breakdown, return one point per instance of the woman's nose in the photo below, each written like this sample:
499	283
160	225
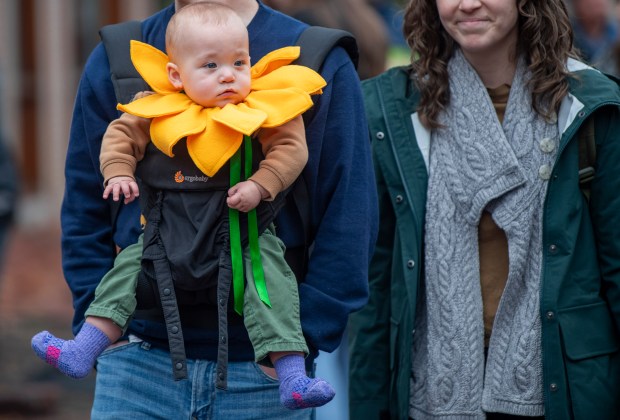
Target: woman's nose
468	5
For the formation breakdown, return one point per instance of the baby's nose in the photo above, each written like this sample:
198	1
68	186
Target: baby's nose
227	76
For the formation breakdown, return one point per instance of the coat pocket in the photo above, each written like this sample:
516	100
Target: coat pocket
592	349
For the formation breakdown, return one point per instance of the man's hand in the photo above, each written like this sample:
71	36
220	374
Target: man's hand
245	196
122	184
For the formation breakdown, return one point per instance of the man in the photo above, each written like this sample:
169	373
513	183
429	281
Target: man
8	196
135	378
9	189
596	30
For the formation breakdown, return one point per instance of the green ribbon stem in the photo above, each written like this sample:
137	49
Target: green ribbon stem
235	235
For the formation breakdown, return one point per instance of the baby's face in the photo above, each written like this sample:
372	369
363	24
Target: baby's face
213	64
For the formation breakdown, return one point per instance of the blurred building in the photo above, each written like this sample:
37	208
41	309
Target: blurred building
43	47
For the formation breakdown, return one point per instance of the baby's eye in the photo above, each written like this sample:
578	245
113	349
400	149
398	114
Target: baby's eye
239	63
211	65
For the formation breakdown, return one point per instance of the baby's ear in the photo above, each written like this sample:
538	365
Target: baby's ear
174	76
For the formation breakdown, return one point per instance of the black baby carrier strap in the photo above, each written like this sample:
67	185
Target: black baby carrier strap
163	296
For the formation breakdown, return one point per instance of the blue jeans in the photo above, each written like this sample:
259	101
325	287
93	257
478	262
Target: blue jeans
134	381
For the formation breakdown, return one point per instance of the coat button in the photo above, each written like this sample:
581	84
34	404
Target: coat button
174	330
399	198
166	292
410	264
553	248
544	172
380	135
553	387
550	315
178	365
547	145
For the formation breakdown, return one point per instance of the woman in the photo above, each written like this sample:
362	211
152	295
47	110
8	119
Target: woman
495	284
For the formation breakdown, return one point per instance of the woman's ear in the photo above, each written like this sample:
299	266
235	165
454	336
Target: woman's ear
174	76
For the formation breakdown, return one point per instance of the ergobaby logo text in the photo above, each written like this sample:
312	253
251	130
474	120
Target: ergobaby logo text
180	178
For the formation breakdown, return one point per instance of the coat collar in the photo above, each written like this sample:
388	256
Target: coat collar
589	89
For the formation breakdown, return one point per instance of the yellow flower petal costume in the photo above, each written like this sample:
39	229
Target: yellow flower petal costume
280	91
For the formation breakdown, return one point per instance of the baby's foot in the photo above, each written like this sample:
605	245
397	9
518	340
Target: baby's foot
305	392
74	358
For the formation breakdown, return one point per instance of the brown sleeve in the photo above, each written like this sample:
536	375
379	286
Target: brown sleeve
123	145
286	154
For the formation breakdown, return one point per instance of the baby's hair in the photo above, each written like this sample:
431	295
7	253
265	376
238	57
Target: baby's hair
203	13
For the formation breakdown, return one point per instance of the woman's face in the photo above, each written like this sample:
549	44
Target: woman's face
481	27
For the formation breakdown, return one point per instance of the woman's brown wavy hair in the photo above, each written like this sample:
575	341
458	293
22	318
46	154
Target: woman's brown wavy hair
545	36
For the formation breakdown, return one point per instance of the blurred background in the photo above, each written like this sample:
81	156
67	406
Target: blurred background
43	47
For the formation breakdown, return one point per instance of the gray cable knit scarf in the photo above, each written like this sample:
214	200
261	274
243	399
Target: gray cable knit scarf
477	164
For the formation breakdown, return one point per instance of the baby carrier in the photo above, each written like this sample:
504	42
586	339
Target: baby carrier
186	258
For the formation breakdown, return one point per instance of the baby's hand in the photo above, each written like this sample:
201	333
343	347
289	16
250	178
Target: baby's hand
245	196
125	184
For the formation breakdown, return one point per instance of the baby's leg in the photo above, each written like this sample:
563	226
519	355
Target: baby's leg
297	390
275	331
76	358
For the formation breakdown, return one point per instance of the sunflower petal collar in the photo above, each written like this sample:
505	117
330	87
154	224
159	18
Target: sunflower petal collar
280	91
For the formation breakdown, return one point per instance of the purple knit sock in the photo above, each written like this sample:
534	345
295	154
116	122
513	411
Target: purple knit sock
298	390
74	358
